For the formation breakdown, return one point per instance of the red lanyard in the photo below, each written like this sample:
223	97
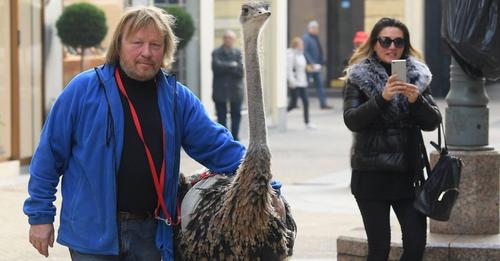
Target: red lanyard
159	184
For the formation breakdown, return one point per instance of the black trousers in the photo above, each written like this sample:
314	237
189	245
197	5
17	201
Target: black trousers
221	111
302	92
375	215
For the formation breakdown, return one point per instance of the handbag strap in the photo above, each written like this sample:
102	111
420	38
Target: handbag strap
424	152
438	146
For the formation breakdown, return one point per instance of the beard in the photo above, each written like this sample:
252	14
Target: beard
141	75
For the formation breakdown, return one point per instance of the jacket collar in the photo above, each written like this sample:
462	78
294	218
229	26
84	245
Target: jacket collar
370	76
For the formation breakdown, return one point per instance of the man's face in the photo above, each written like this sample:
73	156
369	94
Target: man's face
228	40
314	30
141	53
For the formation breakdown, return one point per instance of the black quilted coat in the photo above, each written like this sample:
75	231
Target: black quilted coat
383	131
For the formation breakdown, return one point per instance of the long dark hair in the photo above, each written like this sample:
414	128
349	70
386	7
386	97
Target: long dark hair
367	49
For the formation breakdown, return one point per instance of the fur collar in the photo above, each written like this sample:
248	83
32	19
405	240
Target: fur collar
370	76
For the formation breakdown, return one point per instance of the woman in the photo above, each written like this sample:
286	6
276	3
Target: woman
385	116
297	78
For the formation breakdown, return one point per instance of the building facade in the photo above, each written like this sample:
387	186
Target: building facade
339	20
32	58
21	84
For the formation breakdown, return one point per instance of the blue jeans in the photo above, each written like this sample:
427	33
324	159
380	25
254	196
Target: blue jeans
137	242
318	83
221	111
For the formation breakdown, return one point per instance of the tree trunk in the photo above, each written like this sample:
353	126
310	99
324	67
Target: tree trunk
82	55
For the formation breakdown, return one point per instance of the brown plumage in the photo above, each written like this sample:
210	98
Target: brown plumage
241	217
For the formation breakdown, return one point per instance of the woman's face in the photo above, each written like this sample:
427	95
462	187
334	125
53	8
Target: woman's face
390	44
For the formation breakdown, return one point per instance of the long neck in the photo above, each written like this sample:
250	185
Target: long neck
256	115
247	206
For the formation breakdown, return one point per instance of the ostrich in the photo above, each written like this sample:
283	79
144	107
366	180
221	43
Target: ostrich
241	217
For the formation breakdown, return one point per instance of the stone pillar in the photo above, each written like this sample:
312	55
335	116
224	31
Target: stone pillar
476	210
273	63
206	45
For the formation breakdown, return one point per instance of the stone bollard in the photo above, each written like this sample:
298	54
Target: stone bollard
476	210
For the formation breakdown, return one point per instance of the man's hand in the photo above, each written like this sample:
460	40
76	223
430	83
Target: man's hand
41	237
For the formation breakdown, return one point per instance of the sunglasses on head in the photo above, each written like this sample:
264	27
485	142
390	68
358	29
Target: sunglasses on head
386	42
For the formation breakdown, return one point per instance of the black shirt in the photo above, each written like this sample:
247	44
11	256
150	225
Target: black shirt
135	187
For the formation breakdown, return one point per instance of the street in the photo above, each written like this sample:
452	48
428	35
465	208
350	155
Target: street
313	165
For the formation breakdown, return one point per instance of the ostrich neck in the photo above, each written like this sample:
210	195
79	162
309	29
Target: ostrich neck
249	196
256	115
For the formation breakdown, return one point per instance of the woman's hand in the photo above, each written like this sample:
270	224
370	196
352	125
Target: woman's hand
411	92
393	87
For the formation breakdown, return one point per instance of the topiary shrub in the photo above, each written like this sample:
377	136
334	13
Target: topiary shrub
184	25
80	26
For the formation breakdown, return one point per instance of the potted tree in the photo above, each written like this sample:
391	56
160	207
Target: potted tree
184	30
81	26
184	25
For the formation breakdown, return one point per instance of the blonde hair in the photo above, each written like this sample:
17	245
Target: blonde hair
366	50
295	41
137	18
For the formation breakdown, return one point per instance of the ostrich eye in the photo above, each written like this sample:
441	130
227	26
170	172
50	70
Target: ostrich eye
266	7
244	11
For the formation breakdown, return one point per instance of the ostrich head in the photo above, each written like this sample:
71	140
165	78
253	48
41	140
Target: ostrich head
254	14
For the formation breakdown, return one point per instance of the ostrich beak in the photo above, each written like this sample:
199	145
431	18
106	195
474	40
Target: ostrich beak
265	13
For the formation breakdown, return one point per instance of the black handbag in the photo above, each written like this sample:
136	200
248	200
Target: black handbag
436	196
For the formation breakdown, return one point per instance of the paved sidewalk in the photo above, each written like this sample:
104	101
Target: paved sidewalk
313	164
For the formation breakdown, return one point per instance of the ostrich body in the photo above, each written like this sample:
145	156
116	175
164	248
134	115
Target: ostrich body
241	217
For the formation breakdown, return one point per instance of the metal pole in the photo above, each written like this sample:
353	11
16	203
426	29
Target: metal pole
467	114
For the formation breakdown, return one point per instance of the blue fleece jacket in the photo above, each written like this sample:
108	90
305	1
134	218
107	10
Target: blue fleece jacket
82	142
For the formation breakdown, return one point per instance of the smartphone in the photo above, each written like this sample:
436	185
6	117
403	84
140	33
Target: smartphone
399	67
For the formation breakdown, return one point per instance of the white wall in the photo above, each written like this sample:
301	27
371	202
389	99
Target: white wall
274	39
414	19
206	30
53	54
5	82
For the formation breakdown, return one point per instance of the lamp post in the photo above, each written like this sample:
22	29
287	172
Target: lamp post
477	208
467	113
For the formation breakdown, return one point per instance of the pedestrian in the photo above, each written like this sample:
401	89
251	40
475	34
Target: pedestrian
227	86
359	38
297	78
385	116
314	57
114	135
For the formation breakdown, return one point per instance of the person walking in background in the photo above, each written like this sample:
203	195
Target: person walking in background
359	39
385	116
114	135
314	57
297	78
227	86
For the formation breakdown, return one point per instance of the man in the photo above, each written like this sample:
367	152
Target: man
314	57
228	82
114	135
